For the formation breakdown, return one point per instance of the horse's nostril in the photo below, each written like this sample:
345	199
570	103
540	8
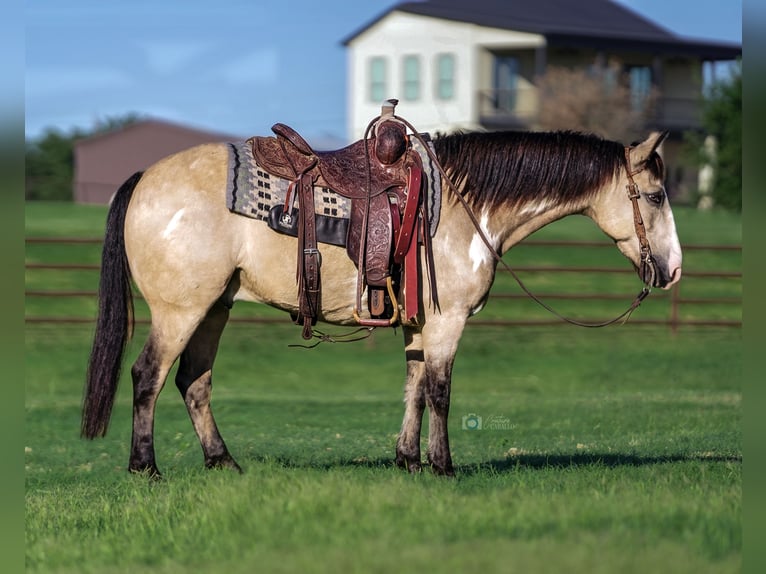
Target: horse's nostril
675	277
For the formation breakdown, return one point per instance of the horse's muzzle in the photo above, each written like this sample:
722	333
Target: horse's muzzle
653	274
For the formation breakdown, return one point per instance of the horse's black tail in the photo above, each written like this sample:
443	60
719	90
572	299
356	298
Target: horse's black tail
114	325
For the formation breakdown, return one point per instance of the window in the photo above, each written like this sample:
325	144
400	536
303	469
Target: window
610	76
505	84
377	79
640	85
445	76
411	77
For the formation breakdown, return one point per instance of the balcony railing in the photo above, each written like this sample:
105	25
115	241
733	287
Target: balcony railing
512	107
519	108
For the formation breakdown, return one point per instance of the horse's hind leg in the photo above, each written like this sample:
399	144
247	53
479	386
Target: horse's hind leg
195	381
169	335
149	373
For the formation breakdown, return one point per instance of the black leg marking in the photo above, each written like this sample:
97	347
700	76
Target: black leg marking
195	383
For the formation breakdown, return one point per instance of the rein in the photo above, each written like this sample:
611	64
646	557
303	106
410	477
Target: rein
647	268
647	265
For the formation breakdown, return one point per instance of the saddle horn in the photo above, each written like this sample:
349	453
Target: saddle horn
390	135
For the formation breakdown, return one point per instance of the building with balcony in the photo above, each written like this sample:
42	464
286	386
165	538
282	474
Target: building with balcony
474	65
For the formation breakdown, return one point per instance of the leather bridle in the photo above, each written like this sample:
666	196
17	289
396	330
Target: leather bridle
647	264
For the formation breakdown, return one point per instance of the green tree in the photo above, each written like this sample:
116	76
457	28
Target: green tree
722	118
49	164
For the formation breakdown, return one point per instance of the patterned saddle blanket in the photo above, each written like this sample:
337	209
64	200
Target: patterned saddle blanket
253	192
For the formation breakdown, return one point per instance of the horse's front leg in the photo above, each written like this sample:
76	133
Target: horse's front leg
438	383
440	341
408	443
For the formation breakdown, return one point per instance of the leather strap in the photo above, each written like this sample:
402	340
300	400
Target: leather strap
286	218
406	249
309	258
646	264
410	280
410	216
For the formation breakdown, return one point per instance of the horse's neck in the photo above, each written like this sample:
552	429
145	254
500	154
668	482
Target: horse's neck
506	225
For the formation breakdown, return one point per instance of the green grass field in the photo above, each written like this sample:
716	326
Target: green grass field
614	450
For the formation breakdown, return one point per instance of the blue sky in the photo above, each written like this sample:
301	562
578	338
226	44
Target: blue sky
231	66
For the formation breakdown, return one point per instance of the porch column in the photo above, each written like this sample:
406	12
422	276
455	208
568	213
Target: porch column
541	53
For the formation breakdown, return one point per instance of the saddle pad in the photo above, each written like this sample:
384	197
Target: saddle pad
433	187
253	192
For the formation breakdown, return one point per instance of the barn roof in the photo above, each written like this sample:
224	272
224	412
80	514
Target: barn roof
153	124
566	22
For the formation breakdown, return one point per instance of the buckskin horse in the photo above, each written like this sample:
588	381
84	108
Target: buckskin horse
169	229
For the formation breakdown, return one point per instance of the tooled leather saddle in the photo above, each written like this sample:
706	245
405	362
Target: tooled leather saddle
382	176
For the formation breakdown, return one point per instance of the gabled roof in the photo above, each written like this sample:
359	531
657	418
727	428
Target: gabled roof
570	22
144	124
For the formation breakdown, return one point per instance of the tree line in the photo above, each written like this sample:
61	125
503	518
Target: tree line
49	165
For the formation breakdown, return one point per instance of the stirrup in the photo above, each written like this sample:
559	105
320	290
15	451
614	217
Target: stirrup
381	322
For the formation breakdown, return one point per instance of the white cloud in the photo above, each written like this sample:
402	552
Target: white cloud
256	68
166	57
40	82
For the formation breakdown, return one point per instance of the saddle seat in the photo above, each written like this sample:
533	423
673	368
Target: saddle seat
345	170
381	175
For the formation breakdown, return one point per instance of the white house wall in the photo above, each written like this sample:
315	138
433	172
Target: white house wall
398	35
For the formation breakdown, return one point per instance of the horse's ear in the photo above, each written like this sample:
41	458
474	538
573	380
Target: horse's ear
641	152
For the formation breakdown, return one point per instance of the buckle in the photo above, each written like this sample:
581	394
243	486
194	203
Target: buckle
633	192
315	252
646	253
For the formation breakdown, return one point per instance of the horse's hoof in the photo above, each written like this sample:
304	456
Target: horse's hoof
413	467
445	469
448	471
410	464
225	462
150	471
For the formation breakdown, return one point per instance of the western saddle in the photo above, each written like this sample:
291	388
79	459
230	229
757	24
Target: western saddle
382	176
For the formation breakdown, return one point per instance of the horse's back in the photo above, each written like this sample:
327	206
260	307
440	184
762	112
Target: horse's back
200	169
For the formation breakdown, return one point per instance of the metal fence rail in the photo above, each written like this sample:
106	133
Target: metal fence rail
675	300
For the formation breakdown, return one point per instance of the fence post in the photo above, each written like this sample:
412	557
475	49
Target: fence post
675	300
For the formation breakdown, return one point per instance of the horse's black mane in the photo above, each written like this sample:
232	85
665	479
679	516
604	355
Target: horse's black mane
499	168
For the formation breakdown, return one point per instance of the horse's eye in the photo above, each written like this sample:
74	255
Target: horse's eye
655	198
